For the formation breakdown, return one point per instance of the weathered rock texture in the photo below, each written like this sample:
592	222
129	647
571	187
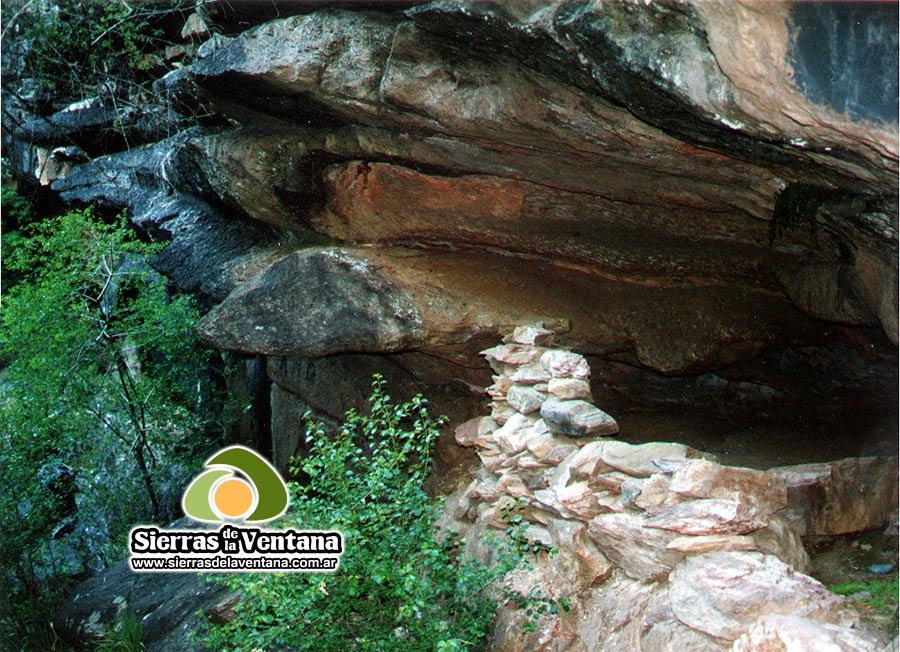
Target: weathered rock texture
691	194
676	187
657	547
668	156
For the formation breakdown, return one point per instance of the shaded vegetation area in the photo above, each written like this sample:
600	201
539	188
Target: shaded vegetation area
399	586
107	403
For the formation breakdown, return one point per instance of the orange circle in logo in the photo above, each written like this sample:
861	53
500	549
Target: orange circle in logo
233	497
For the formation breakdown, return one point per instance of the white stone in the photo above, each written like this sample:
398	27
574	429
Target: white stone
525	399
722	593
776	633
570	388
565	364
533	334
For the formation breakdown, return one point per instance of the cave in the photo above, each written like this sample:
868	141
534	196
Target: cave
698	198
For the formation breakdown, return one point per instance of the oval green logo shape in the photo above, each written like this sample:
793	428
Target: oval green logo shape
238	484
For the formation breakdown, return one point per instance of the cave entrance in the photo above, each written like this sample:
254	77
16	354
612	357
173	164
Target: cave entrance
793	404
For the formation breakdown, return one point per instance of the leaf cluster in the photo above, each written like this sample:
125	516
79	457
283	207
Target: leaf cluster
399	587
71	47
98	360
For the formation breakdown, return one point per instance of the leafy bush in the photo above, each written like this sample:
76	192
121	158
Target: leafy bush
72	47
397	588
99	404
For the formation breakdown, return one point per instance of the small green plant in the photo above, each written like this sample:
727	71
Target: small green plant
879	595
126	636
398	586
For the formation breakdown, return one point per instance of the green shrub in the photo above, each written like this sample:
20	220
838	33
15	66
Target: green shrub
71	47
397	587
99	400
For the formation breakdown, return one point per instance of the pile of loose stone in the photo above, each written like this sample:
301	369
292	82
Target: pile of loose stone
655	546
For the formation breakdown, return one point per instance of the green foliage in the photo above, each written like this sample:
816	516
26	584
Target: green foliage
126	636
398	588
879	595
16	209
98	406
73	46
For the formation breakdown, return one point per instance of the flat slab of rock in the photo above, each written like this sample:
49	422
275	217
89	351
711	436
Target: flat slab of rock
698	544
641	552
577	418
711	516
797	634
513	354
642	460
849	495
723	593
568	389
704	479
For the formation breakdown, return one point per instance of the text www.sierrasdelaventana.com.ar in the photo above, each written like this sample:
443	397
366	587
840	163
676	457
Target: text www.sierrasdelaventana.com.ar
234	549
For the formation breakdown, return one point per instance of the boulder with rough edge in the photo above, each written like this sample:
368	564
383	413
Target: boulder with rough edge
572	537
587	462
723	593
788	633
525	399
289	309
474	431
570	388
577	418
704	479
781	539
512	436
628	543
550	449
849	495
579	499
565	364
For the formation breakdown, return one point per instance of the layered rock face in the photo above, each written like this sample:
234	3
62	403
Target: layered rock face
690	194
653	546
674	187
